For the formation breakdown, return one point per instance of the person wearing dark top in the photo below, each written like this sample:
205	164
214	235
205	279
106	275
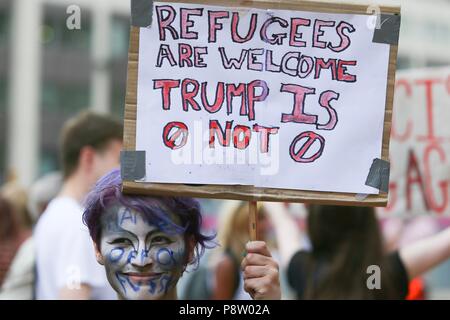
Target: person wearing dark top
346	241
346	245
298	272
12	235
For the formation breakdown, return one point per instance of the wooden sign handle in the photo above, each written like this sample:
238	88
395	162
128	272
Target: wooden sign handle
253	220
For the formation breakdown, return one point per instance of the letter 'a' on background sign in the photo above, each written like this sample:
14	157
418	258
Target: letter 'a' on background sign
420	148
275	101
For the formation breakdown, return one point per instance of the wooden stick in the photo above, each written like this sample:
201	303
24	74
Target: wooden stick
253	220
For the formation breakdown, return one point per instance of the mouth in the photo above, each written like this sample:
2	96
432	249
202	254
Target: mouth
142	276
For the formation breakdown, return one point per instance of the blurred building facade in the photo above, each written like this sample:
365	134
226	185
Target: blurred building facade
49	72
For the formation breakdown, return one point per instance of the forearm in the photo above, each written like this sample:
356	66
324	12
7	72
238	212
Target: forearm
426	254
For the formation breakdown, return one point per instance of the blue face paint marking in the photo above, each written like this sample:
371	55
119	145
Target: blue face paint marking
144	254
111	224
115	254
152	285
131	255
168	228
162	224
122	282
127	215
135	288
165	286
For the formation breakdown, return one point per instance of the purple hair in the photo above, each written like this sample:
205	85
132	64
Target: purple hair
107	193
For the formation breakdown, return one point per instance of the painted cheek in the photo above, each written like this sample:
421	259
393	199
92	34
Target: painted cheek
166	283
169	258
122	282
165	257
115	255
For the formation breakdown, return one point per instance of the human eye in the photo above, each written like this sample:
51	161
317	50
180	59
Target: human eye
121	241
161	239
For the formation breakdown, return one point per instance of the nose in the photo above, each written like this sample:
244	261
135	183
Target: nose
140	259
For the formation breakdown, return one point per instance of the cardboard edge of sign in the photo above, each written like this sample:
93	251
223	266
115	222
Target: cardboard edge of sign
249	193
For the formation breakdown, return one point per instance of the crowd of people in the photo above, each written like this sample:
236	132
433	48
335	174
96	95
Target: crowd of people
75	235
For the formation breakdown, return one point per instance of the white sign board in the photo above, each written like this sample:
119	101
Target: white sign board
266	98
420	144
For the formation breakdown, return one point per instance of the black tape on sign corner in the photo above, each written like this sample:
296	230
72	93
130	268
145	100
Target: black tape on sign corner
132	165
379	175
389	29
141	13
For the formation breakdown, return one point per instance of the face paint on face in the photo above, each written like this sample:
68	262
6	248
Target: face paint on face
141	261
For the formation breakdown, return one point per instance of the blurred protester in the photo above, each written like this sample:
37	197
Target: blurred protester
233	235
346	241
42	192
17	196
12	234
66	266
19	283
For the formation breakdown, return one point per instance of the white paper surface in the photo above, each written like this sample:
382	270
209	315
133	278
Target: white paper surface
349	148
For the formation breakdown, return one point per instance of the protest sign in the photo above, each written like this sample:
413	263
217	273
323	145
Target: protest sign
420	144
261	100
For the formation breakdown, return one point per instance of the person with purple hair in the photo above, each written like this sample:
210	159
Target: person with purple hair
145	243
